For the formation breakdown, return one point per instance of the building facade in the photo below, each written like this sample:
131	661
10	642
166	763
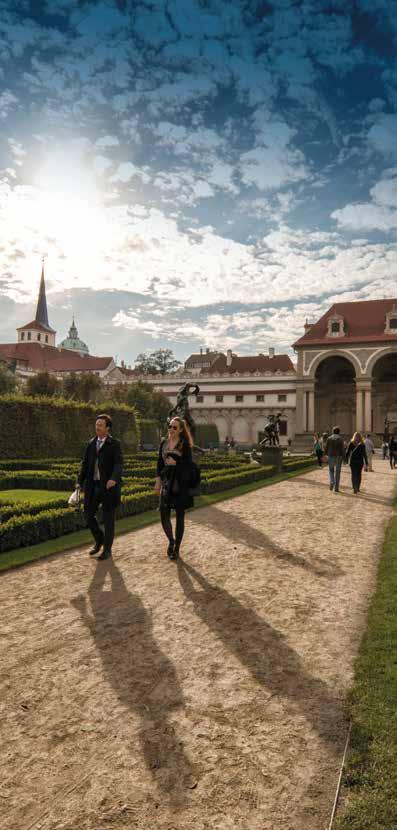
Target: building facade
236	393
347	370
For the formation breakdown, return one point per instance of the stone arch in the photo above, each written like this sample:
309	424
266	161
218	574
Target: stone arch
223	427
384	390
377	356
352	358
335	394
240	430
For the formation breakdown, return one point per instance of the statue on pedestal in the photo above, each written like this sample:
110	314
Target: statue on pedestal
271	430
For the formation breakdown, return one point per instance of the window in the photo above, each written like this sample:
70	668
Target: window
29	335
39	336
283	427
46	338
335	328
260	398
22	335
199	398
219	398
239	398
281	398
393	323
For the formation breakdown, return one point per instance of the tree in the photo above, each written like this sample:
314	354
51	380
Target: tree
150	403
43	384
7	380
159	362
82	387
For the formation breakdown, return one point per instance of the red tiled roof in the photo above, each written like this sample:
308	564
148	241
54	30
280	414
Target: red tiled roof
203	357
364	322
256	363
41	357
38	326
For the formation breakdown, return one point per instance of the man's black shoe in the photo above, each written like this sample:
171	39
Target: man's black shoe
95	548
106	554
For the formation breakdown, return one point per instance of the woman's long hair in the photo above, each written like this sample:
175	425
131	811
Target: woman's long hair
359	436
184	434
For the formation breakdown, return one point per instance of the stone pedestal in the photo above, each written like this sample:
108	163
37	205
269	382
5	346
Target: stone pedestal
273	456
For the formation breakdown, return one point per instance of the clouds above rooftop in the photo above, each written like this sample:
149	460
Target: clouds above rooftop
199	154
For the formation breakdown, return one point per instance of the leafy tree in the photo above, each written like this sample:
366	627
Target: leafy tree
159	362
43	384
150	403
84	387
7	379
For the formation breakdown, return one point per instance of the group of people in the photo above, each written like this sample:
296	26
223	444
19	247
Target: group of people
333	450
178	477
101	476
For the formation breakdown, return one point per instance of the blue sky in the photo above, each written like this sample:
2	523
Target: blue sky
197	172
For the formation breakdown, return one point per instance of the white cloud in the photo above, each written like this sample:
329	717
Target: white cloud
383	135
107	141
380	214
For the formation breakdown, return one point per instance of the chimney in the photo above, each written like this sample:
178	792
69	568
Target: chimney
201	351
271	351
207	351
229	357
307	326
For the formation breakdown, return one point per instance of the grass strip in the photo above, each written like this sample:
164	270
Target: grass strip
23	556
369	794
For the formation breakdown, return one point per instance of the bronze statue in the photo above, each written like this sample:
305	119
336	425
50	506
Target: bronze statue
271	430
181	408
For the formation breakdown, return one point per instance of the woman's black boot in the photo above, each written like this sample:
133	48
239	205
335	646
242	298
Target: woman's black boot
170	550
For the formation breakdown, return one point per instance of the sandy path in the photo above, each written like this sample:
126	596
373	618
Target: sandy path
200	696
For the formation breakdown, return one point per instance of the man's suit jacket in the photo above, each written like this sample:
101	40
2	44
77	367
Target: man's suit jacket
110	465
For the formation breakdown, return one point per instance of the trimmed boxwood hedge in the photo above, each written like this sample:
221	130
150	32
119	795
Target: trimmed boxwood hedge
34	427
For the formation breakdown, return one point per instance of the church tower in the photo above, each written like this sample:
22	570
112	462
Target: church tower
39	330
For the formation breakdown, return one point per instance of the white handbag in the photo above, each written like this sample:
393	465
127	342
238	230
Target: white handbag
74	499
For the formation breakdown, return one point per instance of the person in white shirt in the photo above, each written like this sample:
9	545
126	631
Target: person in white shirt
369	446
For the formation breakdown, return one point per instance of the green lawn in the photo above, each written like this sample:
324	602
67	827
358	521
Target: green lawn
22	556
32	496
370	779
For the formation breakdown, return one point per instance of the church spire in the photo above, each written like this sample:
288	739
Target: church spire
41	311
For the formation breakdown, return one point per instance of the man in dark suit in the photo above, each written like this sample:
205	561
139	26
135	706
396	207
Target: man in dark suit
100	478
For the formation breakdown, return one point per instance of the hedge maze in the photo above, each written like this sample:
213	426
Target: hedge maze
26	523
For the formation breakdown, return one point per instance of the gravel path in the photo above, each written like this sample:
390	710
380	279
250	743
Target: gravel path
206	695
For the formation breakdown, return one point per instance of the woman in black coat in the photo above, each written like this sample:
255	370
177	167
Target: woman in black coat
357	455
173	482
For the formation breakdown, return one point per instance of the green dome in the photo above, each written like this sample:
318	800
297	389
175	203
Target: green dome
73	342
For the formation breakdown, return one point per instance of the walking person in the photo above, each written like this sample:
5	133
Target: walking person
369	446
335	450
318	449
174	479
100	478
357	456
393	451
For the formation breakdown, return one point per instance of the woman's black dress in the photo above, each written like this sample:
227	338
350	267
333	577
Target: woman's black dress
357	455
176	479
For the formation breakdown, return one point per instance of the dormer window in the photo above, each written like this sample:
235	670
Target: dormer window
39	336
22	335
391	321
336	326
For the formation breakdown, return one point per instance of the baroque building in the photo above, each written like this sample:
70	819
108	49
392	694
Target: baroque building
347	370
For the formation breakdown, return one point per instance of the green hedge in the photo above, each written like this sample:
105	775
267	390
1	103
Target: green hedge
207	435
34	427
149	432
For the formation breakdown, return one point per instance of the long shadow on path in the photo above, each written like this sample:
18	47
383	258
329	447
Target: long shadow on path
142	677
232	527
265	653
363	496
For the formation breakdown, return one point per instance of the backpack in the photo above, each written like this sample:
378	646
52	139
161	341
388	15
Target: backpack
195	479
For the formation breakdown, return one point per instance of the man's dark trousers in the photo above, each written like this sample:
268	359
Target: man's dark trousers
91	508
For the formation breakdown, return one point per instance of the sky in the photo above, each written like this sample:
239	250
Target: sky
197	173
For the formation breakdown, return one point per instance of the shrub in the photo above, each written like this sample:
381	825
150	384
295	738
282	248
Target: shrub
207	435
53	427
